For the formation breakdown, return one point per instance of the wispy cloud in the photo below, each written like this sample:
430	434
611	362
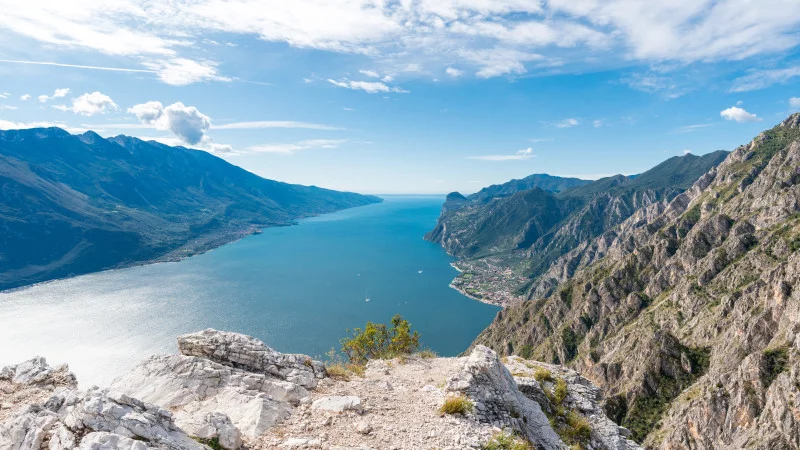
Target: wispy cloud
691	128
274	124
761	79
290	148
526	153
794	103
370	87
567	123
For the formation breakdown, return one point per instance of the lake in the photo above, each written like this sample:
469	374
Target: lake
297	288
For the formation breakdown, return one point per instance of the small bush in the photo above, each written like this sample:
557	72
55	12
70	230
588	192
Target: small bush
560	391
541	375
344	371
506	441
377	341
774	363
456	405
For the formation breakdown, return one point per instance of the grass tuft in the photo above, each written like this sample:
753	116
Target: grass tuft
456	405
506	441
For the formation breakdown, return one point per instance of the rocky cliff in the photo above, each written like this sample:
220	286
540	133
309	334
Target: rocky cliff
686	313
227	390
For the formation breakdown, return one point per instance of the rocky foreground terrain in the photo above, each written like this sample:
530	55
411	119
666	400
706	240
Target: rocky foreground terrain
227	390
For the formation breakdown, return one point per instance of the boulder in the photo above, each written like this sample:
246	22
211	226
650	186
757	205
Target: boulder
498	400
36	372
250	354
195	387
338	403
215	425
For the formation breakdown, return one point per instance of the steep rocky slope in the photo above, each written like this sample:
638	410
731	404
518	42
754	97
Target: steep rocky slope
687	312
505	243
72	204
227	390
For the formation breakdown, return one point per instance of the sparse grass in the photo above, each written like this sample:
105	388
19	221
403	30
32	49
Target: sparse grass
213	443
344	371
506	441
578	428
427	354
456	405
541	375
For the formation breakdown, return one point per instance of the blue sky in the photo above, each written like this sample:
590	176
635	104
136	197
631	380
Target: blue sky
411	96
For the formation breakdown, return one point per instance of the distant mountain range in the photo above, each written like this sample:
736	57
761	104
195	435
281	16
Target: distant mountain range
527	224
73	204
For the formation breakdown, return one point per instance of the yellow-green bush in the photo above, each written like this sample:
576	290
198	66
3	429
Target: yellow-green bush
456	405
377	341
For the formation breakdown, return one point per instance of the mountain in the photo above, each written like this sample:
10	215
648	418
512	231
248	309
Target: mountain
506	243
542	181
687	313
74	204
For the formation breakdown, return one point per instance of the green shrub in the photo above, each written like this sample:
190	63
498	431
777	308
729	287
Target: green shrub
541	375
377	341
774	363
506	441
578	429
560	391
456	405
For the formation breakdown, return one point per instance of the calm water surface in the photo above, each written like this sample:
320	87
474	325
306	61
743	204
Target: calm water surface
297	288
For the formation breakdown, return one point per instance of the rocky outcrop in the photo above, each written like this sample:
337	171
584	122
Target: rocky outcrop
93	419
498	401
249	354
180	402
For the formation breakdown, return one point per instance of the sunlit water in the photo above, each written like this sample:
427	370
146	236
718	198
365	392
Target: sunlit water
297	288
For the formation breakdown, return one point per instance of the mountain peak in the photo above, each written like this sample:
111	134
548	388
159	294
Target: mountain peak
793	121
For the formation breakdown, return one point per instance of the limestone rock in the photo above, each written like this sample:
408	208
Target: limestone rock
249	354
214	425
338	403
37	372
498	400
195	387
93	419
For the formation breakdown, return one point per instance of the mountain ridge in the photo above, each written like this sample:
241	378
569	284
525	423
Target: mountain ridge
686	313
80	203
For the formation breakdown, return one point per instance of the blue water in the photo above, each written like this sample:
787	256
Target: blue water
297	288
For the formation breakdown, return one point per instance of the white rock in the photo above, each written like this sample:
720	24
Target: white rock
102	440
338	403
363	427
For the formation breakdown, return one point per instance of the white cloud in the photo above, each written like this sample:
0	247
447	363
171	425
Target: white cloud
794	103
525	153
453	72
58	93
182	71
87	104
370	87
25	97
761	79
9	107
426	32
370	73
4	94
597	123
739	115
567	123
288	149
186	122
498	61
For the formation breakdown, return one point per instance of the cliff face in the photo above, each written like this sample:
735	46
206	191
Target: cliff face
686	313
227	390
